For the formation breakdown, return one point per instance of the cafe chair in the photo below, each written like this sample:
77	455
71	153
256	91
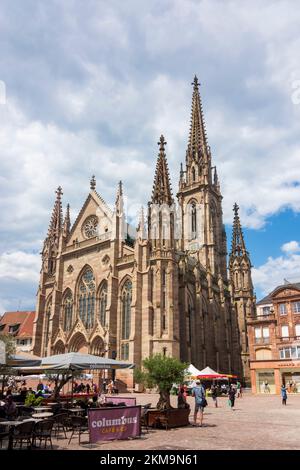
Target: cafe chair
23	432
61	422
144	417
79	425
4	433
43	432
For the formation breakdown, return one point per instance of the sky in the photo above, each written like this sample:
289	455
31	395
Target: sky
88	87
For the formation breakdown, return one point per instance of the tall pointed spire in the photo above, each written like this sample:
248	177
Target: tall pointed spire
55	225
67	222
197	138
238	247
141	229
162	193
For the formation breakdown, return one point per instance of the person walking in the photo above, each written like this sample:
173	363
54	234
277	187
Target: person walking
200	401
283	394
214	394
231	396
181	399
238	389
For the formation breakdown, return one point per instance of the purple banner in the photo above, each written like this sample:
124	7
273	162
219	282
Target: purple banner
107	424
129	401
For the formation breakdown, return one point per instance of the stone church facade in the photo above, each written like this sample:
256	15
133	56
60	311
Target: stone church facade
163	287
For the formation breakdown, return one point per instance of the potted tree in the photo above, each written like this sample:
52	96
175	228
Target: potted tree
162	372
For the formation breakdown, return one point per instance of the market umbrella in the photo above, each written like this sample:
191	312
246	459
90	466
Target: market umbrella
77	361
208	373
24	360
192	371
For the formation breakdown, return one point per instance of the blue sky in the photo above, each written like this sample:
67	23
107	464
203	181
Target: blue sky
90	86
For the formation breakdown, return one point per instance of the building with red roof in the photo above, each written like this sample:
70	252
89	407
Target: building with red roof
20	325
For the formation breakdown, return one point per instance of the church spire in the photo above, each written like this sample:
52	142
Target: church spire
197	138
55	225
238	247
162	193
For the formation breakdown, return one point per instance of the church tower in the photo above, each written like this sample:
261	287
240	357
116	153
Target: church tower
242	288
163	264
49	292
200	199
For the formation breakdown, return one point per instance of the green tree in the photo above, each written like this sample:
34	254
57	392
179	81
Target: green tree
60	379
162	372
10	349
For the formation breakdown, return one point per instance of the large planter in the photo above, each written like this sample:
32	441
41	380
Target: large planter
139	388
172	418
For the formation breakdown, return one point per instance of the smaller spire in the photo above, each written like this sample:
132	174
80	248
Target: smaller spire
67	221
93	183
120	188
238	246
119	198
141	225
216	179
56	217
161	192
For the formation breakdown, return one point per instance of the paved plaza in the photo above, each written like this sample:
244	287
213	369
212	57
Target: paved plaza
258	422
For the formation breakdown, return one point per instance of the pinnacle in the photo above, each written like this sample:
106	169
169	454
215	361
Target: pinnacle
161	187
93	183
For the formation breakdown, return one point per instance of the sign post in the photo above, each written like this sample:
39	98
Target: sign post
107	424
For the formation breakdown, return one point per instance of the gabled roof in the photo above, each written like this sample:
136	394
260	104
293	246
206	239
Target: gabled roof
99	201
268	298
23	318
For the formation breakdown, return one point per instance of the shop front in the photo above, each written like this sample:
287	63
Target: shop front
268	376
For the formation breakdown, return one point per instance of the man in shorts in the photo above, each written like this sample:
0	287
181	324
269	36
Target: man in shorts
199	394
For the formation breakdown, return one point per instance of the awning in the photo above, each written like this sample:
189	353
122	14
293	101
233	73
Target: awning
78	361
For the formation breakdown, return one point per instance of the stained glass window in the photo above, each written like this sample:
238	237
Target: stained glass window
87	299
126	309
68	311
103	304
194	221
47	326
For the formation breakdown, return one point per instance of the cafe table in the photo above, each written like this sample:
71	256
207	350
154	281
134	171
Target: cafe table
12	424
42	415
42	408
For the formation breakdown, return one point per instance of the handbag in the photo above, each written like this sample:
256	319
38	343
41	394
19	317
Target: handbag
204	402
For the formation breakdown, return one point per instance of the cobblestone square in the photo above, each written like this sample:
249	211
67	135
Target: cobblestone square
258	422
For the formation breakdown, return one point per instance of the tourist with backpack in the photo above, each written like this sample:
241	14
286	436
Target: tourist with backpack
200	401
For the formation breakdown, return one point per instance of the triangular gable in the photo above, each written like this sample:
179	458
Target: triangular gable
78	327
60	335
93	205
285	291
97	331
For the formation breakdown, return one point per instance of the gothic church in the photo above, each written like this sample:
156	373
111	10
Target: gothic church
163	287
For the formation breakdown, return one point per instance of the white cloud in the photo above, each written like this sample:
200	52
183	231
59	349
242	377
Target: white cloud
20	266
273	273
89	90
291	247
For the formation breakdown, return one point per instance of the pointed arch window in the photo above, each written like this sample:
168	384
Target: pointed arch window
87	299
164	289
151	282
126	309
194	220
47	327
67	311
193	174
103	303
